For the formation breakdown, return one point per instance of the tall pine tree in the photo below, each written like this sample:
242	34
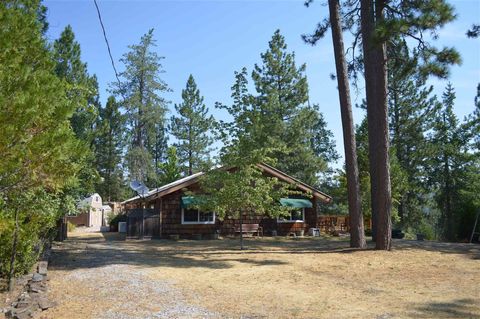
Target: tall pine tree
140	94
191	129
277	115
357	238
84	88
449	160
83	92
411	108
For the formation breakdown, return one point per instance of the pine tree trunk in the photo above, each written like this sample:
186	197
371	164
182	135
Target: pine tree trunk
11	274
357	232
375	65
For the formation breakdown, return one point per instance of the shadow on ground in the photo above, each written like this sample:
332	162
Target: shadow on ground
471	250
102	249
460	308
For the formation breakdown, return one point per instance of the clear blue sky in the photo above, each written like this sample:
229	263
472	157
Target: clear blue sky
212	39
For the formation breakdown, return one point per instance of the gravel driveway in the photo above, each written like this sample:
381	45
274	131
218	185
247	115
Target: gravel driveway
92	276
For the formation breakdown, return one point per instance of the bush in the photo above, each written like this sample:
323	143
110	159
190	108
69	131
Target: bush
427	230
37	215
423	228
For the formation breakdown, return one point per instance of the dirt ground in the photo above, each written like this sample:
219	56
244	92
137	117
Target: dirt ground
102	276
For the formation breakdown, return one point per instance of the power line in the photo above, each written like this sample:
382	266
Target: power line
108	47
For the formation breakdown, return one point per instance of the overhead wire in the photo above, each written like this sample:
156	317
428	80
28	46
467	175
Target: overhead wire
108	47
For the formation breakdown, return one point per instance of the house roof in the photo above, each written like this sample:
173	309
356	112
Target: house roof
192	179
88	200
182	182
292	180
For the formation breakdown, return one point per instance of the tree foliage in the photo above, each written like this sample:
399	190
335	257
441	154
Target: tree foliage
411	108
375	24
109	145
277	116
453	168
191	128
170	170
140	95
37	143
239	188
82	90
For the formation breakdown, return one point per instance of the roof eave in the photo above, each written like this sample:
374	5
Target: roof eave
292	180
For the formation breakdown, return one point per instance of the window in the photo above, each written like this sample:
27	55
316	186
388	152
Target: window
296	215
194	216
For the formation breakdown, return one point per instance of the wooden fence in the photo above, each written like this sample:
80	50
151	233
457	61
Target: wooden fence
143	223
329	223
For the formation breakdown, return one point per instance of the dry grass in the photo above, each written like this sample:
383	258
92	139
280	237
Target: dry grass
273	278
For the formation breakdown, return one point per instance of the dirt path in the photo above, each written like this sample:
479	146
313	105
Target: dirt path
104	276
91	277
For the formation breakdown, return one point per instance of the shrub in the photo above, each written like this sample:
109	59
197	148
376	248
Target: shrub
37	215
426	229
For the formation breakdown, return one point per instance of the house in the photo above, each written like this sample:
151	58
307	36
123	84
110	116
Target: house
92	212
168	211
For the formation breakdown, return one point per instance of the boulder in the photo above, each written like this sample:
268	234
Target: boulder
37	277
44	303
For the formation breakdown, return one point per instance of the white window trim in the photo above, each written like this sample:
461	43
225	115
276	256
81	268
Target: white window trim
280	220
197	223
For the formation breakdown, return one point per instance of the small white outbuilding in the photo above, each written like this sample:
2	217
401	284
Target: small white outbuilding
91	212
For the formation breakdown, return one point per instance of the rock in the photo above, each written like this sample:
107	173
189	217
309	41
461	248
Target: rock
37	287
19	314
44	303
22	306
23	310
24	298
42	267
37	277
24	315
